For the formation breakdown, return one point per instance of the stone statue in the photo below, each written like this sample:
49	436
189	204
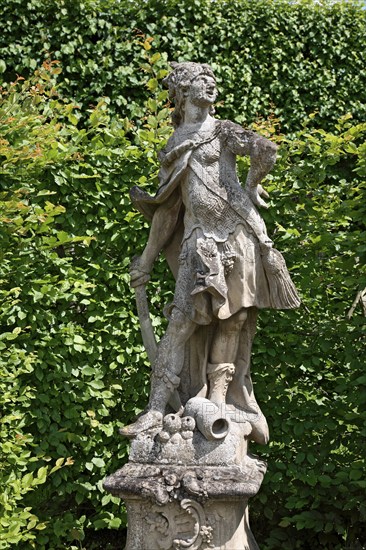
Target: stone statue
202	409
218	248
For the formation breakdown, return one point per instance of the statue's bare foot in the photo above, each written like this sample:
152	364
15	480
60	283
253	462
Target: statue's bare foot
152	419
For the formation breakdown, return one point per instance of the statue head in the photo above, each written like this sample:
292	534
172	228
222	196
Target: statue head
179	82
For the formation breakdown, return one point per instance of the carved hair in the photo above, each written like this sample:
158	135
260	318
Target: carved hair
179	81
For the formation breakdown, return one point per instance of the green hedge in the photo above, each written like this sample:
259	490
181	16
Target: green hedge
72	363
292	58
309	365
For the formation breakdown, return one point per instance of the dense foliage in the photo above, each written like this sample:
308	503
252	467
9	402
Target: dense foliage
72	364
71	358
269	55
310	365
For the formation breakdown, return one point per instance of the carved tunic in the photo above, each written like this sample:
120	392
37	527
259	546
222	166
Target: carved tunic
206	209
226	260
221	267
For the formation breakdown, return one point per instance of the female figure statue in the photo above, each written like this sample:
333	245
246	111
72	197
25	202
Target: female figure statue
217	246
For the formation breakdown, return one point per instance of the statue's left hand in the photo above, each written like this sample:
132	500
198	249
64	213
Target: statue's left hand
255	193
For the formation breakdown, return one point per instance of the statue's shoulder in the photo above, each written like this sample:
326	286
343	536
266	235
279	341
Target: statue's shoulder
236	138
227	126
232	129
172	142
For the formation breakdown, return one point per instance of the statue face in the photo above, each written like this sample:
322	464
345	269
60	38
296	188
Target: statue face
203	91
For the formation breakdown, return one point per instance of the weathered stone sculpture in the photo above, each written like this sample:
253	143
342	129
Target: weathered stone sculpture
189	477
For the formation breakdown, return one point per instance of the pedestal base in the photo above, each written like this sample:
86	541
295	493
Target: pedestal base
188	488
218	525
171	507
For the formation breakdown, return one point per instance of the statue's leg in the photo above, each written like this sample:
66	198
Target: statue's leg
170	359
223	354
165	377
226	338
241	388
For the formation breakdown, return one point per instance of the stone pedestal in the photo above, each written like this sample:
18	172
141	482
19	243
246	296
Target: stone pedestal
176	507
183	490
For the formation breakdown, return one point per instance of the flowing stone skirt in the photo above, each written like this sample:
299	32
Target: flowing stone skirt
217	279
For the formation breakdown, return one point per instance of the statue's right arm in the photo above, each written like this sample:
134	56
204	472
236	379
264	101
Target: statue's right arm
162	227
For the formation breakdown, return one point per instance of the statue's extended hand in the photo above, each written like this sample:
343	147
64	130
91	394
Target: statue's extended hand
255	193
138	275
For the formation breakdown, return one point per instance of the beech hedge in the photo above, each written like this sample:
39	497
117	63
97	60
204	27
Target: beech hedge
290	58
73	368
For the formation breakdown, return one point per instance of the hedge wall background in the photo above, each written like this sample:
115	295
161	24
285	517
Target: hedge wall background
75	135
290	58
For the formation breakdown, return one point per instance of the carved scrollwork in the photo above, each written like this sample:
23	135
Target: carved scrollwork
182	528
